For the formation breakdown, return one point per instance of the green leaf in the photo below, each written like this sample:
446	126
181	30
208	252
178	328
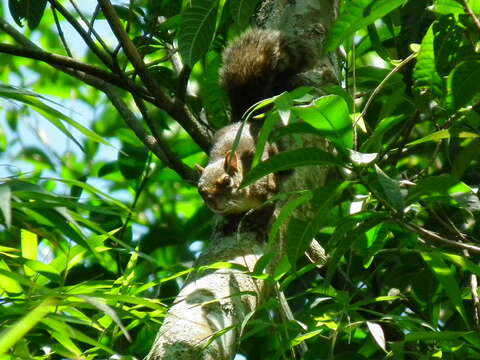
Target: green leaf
214	97
8	283
284	214
356	15
289	160
104	308
64	334
267	127
323	198
446	277
29	248
132	160
375	142
434	335
32	10
330	115
462	262
463	84
445	134
5	204
437	186
391	190
242	11
444	7
51	114
425	73
373	241
19	329
197	29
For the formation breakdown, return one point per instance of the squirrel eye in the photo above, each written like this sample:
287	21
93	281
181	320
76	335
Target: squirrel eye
224	180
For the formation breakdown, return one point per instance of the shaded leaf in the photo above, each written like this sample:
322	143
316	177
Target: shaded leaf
197	29
446	277
463	84
242	11
391	190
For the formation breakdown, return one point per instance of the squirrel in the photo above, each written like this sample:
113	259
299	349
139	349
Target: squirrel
220	180
259	64
262	63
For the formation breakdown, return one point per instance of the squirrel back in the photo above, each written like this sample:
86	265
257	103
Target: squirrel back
262	63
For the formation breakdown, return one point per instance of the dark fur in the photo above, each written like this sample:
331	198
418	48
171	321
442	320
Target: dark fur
260	64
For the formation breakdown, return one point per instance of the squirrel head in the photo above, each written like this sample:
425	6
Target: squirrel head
219	185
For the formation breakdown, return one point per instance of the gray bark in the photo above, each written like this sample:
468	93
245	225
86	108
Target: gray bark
224	299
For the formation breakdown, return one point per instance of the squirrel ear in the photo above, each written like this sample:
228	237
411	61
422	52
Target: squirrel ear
199	169
247	159
231	162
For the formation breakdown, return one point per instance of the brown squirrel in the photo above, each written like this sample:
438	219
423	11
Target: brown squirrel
220	180
262	63
259	64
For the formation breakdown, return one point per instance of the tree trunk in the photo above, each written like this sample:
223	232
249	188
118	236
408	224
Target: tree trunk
208	315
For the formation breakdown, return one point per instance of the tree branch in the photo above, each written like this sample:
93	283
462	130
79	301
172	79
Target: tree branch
68	62
174	108
470	13
104	57
435	237
76	69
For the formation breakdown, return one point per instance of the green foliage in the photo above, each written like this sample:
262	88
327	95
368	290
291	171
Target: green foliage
197	29
97	236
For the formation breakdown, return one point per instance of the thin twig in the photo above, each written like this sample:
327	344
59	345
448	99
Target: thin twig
169	157
383	82
94	17
470	12
434	236
173	107
64	61
149	141
103	56
60	31
91	29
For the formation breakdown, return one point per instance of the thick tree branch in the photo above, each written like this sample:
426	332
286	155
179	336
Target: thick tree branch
68	62
209	307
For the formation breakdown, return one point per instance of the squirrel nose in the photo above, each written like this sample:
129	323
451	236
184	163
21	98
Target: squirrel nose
204	193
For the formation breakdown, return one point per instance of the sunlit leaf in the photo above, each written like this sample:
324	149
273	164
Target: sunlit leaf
29	249
289	160
330	115
356	15
377	333
17	330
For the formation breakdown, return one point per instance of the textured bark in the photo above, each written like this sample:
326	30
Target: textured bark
225	298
